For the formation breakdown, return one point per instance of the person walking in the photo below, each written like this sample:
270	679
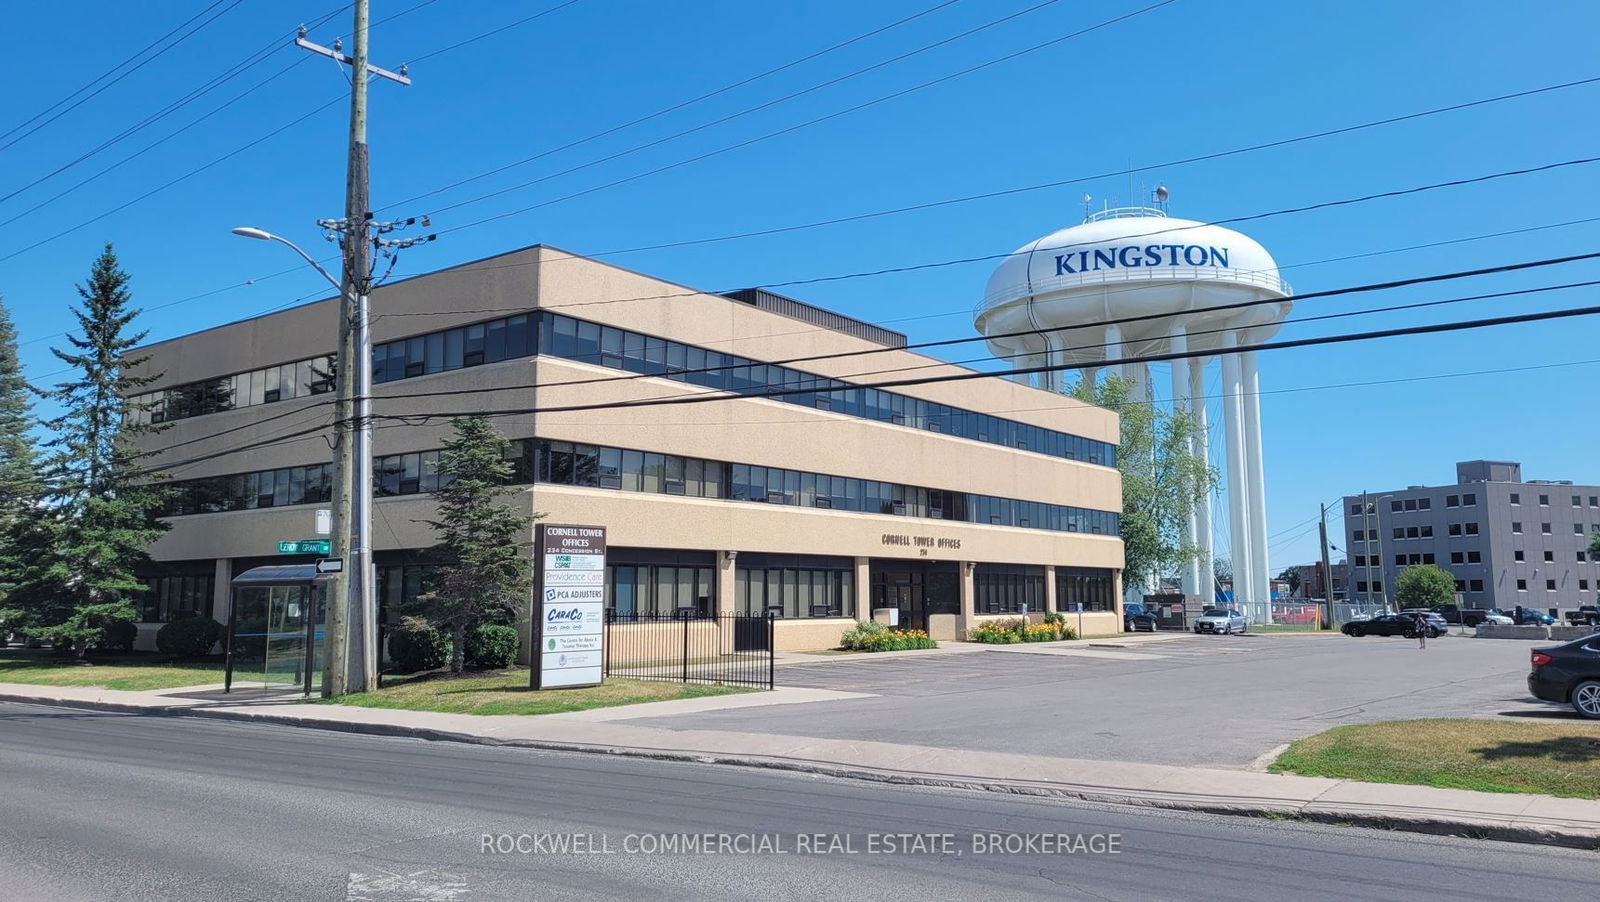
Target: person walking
1419	624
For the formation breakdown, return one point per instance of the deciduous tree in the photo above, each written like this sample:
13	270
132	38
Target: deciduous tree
1424	586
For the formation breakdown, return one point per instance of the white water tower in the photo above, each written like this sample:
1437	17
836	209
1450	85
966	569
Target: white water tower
1056	301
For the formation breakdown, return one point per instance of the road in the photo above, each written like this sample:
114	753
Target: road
1219	701
113	806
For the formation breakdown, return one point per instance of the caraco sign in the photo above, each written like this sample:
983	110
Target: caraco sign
569	628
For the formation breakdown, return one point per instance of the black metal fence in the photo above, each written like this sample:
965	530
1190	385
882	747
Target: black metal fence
690	647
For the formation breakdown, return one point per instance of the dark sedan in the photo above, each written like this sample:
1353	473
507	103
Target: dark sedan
1391	625
1569	674
1135	618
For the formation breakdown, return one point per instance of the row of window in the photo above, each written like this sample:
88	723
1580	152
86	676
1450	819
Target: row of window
527	334
175	596
1457	557
1544	500
1476	585
565	463
1544	528
1468	499
801	591
1550	585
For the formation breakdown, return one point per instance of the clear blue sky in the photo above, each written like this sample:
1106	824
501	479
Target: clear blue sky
1190	78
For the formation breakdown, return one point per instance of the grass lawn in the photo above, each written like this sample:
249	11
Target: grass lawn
508	693
1561	759
42	667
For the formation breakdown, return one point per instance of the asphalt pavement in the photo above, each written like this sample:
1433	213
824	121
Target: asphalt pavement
118	806
1218	701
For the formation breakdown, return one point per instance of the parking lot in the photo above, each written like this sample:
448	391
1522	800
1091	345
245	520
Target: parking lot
1221	701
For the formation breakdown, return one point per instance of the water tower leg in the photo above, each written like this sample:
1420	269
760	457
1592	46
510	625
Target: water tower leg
1202	520
1091	375
1262	576
1238	479
1114	351
1180	401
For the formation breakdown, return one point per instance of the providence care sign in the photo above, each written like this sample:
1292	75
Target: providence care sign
569	623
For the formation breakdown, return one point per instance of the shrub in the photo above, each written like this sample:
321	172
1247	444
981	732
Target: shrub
117	636
996	632
856	635
414	647
190	637
1055	617
1008	632
492	646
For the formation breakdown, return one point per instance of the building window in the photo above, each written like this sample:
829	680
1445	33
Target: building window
1577	500
1427	532
1355	509
1089	586
1472	529
1455	501
1476	585
664	590
1424	504
1399	560
1577	529
177	591
1516	527
1544	500
1461	585
1428	558
1549	585
1399	532
1583	585
1594	500
1516	498
1396	506
1457	557
1413	532
1550	557
1544	528
1455	529
1007	588
1361	586
1581	555
1522	585
795	585
1518	554
1474	557
1470	499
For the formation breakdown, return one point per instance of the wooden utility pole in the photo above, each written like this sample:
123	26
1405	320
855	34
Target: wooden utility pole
1327	571
351	643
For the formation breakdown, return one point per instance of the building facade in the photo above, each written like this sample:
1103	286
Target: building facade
1507	541
804	492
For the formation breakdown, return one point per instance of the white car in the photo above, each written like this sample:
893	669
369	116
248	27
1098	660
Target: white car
1221	620
1497	619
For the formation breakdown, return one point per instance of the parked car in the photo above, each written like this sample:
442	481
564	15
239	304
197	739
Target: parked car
1585	615
1569	673
1135	618
1393	625
1498	618
1435	619
1523	616
1221	620
1466	616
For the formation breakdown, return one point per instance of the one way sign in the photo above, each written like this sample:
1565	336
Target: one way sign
330	565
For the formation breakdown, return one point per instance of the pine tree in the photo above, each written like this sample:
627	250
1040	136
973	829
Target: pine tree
104	504
485	573
21	511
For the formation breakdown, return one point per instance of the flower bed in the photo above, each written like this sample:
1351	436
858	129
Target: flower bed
872	636
1009	632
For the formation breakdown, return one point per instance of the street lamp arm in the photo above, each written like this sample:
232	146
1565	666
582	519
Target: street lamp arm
262	235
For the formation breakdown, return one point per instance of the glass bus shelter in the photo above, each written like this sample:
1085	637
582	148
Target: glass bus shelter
277	617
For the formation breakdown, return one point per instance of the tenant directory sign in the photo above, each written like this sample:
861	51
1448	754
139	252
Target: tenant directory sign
569	626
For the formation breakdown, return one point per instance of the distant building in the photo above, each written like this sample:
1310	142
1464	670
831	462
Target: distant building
1507	541
1313	584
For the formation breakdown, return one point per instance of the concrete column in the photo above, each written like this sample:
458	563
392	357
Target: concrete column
1238	478
1091	375
863	589
221	591
1114	350
1255	470
727	594
1179	343
969	598
1051	602
1202	518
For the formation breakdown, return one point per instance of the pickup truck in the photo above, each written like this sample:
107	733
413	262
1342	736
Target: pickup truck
1585	615
1464	616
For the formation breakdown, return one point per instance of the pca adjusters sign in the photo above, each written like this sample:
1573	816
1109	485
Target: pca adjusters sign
569	620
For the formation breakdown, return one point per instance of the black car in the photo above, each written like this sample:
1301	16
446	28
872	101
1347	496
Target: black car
1391	625
1136	618
1570	674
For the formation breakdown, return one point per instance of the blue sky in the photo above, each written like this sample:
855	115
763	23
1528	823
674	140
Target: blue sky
1189	78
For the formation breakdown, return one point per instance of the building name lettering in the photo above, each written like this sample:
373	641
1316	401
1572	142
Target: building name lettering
1133	256
890	538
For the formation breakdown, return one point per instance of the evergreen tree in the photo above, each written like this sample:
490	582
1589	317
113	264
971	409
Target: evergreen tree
21	512
485	574
1162	480
105	506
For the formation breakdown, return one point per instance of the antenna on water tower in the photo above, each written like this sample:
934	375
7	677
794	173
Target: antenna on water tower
1087	200
1161	197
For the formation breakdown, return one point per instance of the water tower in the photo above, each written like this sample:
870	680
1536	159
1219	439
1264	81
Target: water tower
1056	301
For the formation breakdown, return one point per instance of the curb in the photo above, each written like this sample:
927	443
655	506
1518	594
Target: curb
1284	809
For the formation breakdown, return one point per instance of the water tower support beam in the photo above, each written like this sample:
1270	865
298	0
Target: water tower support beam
1251	404
1238	478
1179	342
1202	520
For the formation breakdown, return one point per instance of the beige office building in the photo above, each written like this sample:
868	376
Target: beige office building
949	502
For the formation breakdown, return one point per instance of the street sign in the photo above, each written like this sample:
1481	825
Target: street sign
330	565
305	546
569	621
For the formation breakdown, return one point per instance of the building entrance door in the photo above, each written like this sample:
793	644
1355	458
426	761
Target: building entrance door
905	595
916	589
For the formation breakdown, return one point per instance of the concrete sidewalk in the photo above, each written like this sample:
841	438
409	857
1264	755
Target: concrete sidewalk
1515	817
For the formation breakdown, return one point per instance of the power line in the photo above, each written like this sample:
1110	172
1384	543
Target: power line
97	91
492	32
724	119
677	106
807	124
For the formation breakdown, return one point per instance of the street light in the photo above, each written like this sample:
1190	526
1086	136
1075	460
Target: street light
352	657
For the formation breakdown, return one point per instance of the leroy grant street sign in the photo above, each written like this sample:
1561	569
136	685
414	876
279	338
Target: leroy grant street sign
305	546
569	620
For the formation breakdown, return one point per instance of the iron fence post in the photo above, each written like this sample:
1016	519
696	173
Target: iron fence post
772	649
685	649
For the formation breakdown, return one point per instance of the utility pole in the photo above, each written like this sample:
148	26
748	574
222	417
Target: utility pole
1366	541
351	644
1327	570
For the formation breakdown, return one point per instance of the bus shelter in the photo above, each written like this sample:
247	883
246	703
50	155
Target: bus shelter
277	618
